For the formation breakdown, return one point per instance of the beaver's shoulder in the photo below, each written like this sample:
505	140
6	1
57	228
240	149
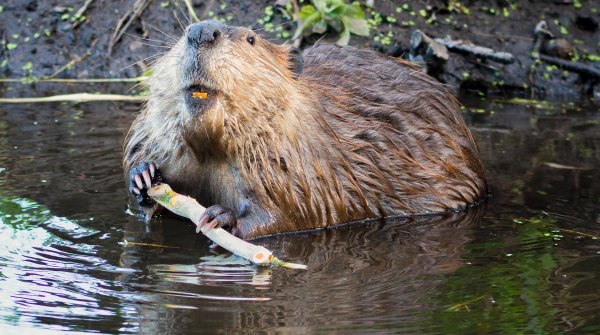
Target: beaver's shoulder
375	85
351	58
365	71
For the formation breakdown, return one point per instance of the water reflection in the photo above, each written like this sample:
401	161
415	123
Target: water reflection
374	274
526	263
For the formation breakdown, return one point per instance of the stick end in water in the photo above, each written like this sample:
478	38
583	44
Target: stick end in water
278	262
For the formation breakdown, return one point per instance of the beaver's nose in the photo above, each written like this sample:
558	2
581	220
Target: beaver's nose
204	32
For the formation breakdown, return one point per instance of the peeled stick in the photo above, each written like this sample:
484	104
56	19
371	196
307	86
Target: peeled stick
188	207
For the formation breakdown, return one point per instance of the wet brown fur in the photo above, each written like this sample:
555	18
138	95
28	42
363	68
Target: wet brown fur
357	135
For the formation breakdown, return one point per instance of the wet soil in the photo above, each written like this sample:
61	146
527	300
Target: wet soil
38	38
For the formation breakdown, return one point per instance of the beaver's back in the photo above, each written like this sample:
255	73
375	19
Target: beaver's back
400	130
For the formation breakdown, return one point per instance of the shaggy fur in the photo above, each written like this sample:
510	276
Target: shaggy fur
356	135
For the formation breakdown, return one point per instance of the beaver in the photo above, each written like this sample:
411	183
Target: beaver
277	140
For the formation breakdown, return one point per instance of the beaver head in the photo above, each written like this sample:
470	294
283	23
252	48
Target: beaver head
232	65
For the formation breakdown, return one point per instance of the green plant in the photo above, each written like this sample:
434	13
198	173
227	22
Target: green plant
337	14
457	6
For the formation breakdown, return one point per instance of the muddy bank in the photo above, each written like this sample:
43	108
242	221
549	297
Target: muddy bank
57	38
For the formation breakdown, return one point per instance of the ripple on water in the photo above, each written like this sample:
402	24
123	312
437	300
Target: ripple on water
63	268
48	276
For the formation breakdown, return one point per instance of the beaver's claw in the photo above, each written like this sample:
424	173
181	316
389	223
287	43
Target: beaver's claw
141	178
217	217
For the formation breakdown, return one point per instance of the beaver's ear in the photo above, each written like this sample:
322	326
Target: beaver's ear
296	62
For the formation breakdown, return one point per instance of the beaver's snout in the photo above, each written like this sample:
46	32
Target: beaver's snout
204	33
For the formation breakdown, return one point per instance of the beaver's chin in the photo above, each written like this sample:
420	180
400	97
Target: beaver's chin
198	98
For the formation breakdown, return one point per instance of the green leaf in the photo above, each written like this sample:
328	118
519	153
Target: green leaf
306	24
321	5
344	37
593	58
319	27
27	67
336	3
338	10
357	26
564	30
357	11
306	11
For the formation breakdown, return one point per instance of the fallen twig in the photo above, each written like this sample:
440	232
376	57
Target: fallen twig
191	11
581	69
540	104
476	50
69	64
153	245
79	97
539	35
191	209
80	13
574	232
297	42
464	305
565	167
421	44
134	12
73	80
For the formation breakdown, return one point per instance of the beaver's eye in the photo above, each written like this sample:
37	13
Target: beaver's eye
250	40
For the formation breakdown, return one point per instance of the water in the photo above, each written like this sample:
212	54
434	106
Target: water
526	261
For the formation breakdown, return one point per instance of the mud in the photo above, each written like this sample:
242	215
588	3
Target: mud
39	38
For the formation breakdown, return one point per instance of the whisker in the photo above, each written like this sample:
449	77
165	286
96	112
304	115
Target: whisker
185	15
151	63
141	60
157	46
178	20
150	39
162	32
135	86
319	40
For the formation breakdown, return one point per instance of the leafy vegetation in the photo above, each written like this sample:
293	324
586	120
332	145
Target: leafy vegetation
321	15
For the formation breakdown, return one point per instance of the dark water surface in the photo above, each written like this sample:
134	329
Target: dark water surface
526	262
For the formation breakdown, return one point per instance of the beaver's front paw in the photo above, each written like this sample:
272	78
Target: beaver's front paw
141	178
217	217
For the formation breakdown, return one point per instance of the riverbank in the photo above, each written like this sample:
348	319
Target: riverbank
41	39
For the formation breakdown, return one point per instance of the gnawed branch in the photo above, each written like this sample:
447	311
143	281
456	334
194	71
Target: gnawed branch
188	207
